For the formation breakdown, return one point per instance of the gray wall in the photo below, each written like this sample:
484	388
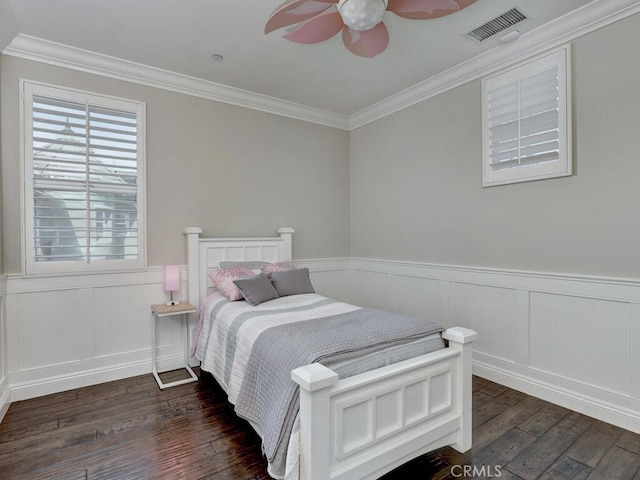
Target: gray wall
8	27
1	225
412	179
416	189
230	170
8	30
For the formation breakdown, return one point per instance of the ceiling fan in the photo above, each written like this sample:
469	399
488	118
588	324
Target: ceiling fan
360	21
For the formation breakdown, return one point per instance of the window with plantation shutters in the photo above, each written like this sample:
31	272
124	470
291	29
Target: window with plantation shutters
84	181
526	121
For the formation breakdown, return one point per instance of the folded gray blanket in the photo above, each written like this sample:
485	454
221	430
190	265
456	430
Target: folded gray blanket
268	397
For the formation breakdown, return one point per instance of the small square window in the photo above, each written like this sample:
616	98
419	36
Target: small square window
527	121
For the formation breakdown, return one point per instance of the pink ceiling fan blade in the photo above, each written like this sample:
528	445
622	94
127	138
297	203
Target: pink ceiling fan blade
367	43
317	29
294	12
426	9
318	20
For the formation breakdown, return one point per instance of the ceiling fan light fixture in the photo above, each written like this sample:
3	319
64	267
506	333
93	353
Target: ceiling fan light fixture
360	21
362	15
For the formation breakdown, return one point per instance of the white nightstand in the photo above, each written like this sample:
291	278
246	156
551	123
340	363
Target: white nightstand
159	311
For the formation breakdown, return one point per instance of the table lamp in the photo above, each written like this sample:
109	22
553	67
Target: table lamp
171	276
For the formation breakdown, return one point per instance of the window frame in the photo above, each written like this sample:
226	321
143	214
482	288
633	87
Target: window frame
29	89
561	58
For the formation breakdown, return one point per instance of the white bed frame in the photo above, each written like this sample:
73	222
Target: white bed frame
363	426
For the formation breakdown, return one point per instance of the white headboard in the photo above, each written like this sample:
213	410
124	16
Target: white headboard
204	254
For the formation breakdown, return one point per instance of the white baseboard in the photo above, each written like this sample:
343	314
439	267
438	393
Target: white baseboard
5	398
592	407
46	384
5	389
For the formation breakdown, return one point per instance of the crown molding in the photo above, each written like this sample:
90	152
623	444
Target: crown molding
52	53
592	16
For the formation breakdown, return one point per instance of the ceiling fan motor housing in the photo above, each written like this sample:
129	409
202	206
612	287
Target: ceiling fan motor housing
362	14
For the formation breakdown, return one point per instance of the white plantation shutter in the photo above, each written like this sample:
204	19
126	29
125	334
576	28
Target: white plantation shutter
526	122
84	188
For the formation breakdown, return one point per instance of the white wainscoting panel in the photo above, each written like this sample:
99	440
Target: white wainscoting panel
584	339
122	321
55	327
634	349
407	295
424	291
571	340
72	331
489	310
5	391
328	277
372	289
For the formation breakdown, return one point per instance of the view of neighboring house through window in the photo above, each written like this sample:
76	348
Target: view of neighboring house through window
84	181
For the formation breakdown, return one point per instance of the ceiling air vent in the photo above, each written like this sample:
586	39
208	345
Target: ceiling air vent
498	24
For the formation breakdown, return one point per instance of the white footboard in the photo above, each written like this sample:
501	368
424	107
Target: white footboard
366	425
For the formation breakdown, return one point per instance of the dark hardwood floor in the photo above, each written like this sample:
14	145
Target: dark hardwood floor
130	429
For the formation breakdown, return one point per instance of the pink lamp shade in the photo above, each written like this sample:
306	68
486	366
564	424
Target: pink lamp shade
171	280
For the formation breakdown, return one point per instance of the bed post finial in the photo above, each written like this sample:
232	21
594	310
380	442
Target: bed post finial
286	233
315	382
460	339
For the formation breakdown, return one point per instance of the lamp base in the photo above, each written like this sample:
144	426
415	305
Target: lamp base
171	301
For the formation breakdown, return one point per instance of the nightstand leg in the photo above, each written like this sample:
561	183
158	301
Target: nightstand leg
153	351
187	352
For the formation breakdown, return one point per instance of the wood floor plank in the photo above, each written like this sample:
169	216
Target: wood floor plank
478	382
479	398
545	418
56	472
505	475
164	462
510	418
504	449
130	429
26	429
544	452
487	411
566	468
618	463
494	389
629	441
25	408
594	443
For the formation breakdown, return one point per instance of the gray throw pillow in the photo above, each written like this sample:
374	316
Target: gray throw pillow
257	289
292	282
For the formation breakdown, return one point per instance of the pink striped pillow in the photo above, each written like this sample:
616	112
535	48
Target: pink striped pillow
223	280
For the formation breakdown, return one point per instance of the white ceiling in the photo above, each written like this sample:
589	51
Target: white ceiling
180	36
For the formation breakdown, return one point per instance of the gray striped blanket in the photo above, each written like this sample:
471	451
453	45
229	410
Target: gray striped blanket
261	346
